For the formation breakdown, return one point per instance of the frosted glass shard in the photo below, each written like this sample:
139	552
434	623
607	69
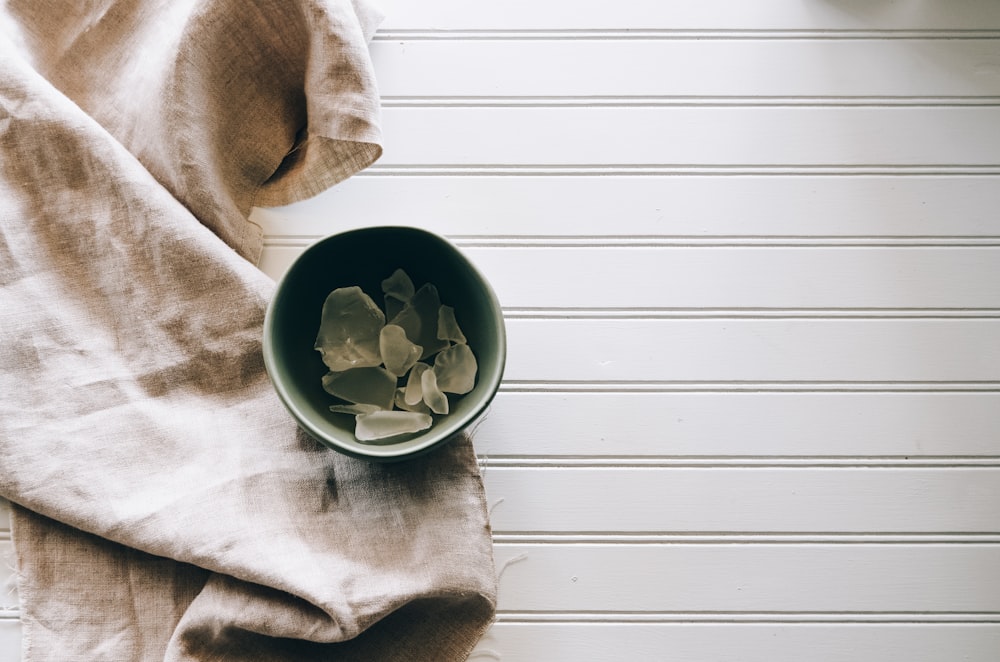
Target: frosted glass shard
455	369
414	390
401	402
448	326
369	385
433	397
419	318
398	286
349	330
383	424
353	409
398	290
398	353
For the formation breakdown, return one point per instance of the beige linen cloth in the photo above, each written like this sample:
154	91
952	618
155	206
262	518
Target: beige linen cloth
167	508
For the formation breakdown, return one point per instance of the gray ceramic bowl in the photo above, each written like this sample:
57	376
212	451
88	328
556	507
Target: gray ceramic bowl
365	257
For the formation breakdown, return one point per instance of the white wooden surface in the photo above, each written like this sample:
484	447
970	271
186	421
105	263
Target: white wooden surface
749	254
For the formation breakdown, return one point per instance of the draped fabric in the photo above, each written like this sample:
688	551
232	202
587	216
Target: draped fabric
166	506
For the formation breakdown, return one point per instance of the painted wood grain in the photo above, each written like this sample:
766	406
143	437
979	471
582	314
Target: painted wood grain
10	639
732	642
678	205
728	277
657	69
705	136
577	579
706	15
9	601
748	500
805	425
736	350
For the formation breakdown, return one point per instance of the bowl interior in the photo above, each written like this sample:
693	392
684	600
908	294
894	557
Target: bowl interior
365	257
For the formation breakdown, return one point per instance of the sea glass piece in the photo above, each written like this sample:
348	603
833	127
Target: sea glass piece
369	385
401	402
383	424
448	328
354	409
433	397
349	330
419	318
398	353
398	290
455	369
414	389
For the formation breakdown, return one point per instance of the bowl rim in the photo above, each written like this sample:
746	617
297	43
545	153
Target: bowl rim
428	440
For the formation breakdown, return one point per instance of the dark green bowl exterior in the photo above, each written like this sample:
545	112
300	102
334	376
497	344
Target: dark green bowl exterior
365	257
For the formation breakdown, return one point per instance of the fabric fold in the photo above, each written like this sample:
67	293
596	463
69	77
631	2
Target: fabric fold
167	506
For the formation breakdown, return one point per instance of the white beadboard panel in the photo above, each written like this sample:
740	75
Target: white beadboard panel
744	500
706	15
10	639
705	136
737	350
730	277
739	642
756	578
10	624
9	603
683	206
739	425
691	67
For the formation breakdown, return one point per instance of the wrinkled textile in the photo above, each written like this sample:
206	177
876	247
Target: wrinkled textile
166	506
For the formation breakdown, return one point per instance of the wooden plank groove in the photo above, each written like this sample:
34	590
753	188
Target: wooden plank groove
732	34
629	101
756	617
610	461
744	538
523	243
615	170
609	387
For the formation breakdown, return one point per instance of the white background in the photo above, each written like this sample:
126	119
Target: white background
749	254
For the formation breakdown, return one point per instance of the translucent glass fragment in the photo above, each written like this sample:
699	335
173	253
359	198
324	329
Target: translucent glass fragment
401	402
414	389
383	424
455	369
448	326
398	353
419	318
369	385
353	409
349	330
398	290
433	397
393	376
398	286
